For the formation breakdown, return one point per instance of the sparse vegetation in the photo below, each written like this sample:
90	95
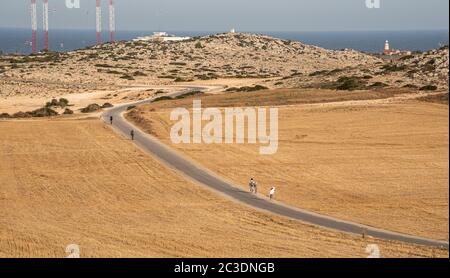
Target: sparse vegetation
346	83
429	88
107	105
67	111
377	85
182	79
198	45
62	103
247	89
410	86
393	68
194	93
127	77
43	112
91	108
439	98
162	98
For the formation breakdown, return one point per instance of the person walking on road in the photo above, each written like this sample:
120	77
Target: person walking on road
111	119
272	193
132	135
253	186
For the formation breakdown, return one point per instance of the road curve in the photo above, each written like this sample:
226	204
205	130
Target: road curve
190	169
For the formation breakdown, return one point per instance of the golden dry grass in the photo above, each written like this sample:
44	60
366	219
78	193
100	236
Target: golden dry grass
384	165
65	182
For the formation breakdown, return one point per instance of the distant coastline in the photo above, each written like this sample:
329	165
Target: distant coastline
14	40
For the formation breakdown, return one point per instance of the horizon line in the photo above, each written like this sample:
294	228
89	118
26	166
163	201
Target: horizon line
239	31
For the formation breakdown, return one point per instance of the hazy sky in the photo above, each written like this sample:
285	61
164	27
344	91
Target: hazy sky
244	15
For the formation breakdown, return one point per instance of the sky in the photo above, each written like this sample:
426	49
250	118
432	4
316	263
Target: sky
243	15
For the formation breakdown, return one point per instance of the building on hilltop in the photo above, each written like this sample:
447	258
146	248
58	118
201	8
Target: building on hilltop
388	51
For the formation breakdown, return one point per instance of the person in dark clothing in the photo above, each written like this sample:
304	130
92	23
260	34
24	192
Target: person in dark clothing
253	186
111	119
132	134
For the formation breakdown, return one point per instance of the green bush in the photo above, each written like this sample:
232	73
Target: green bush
378	85
162	98
43	112
393	68
317	73
345	83
247	89
429	88
127	77
194	93
410	86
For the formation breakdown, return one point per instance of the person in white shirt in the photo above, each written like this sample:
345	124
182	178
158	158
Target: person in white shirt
272	193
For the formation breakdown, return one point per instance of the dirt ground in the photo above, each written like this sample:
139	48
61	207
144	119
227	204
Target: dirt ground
65	182
382	163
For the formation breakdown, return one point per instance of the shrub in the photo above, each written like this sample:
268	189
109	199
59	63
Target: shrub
393	68
107	105
68	112
407	57
193	93
22	115
378	85
198	45
429	88
91	108
181	79
131	107
317	73
178	63
63	102
139	73
5	116
162	98
127	77
410	86
351	83
247	89
43	112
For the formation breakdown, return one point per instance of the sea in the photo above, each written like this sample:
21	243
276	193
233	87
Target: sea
18	40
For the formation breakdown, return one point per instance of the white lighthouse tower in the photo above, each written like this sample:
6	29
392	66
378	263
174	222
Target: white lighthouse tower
387	48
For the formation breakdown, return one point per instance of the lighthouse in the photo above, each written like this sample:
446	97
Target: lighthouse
387	48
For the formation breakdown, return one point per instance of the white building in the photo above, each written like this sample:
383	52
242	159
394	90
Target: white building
161	36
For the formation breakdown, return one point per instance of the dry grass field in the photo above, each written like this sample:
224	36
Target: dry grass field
64	182
380	162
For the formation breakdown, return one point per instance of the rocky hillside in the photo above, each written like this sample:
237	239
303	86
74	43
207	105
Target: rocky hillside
217	56
427	66
276	62
426	71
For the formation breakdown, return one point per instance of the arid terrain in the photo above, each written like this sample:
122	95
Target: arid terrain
230	60
363	138
78	182
357	156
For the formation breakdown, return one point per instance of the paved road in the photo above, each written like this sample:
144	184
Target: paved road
205	177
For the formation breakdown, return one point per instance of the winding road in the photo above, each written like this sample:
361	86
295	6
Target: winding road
201	175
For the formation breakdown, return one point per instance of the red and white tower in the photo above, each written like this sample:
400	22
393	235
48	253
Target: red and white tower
45	23
34	25
98	13
112	20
